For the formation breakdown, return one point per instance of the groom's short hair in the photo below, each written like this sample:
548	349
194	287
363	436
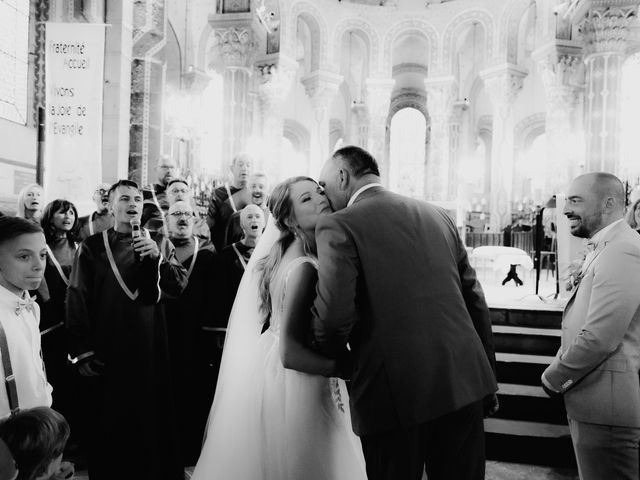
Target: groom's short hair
359	161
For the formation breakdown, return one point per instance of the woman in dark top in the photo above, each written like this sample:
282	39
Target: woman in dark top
60	224
633	215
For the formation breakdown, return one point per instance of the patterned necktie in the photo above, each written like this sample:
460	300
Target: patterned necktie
25	305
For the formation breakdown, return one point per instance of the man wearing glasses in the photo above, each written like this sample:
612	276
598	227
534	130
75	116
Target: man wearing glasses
99	220
178	190
186	315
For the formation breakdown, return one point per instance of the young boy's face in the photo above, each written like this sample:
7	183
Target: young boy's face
22	262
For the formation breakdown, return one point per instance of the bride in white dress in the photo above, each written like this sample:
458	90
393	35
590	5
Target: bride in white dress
268	419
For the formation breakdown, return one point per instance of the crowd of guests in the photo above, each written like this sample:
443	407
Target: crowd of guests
112	325
129	307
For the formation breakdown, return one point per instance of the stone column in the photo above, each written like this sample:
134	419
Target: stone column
441	93
378	100
321	86
605	28
233	52
561	67
503	83
458	135
359	125
117	91
147	87
276	73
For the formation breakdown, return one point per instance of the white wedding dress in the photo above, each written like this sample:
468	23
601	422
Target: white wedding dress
268	422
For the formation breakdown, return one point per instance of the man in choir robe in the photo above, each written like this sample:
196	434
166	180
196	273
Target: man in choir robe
228	199
99	220
178	190
193	386
233	260
257	186
118	336
155	196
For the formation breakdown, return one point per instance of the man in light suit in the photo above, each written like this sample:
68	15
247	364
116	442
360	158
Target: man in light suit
394	281
596	368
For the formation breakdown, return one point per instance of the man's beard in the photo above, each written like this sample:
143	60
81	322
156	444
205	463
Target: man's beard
588	226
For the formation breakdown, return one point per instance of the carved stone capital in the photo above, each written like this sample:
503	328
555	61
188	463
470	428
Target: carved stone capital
275	78
234	40
360	112
233	47
441	94
561	64
605	29
321	87
195	80
503	83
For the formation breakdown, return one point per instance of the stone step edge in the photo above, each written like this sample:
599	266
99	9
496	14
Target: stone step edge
525	429
547	332
523	358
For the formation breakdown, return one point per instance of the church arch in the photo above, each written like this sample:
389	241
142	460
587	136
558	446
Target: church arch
456	26
409	98
297	134
527	129
312	17
416	27
509	26
364	31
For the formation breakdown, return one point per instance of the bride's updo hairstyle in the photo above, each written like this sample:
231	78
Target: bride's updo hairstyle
281	209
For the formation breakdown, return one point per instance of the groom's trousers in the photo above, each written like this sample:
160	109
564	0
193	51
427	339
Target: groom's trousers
449	447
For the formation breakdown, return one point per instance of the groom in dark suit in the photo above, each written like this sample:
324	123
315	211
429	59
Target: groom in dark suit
395	283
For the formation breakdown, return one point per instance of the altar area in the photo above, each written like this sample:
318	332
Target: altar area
530	427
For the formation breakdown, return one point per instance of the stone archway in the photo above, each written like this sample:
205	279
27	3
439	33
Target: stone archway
365	31
455	27
309	14
409	27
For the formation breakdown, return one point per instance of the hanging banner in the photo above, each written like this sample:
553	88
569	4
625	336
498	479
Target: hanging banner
74	62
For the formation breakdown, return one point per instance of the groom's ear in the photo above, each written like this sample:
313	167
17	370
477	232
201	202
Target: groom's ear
344	178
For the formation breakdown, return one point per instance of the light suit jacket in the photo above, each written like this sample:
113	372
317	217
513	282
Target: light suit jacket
395	282
598	362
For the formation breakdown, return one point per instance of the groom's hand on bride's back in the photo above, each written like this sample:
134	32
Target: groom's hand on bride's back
344	365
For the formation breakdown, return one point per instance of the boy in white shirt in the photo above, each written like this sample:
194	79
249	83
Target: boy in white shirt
23	255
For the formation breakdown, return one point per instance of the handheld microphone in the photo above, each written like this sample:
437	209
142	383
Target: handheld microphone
135	234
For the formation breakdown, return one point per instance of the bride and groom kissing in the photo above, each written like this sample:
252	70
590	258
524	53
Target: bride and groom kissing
382	289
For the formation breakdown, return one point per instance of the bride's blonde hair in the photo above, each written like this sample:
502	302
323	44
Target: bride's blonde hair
281	209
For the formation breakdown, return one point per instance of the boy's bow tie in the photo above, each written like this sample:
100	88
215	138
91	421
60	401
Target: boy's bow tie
25	304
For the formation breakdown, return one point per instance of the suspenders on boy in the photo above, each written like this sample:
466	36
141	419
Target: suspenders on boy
9	378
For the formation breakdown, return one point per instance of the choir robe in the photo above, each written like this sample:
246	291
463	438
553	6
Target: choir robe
52	318
193	384
229	269
220	213
134	421
94	223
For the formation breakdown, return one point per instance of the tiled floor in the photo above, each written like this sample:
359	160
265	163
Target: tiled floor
495	471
